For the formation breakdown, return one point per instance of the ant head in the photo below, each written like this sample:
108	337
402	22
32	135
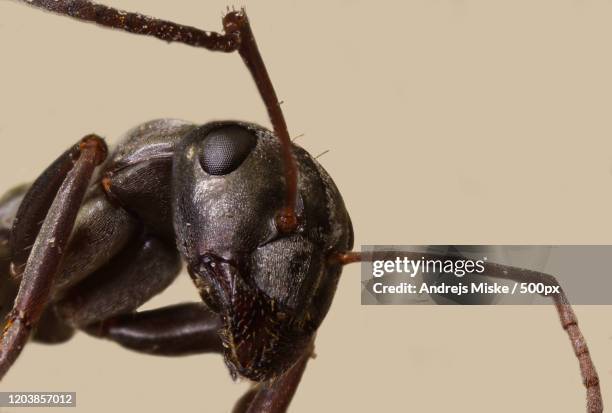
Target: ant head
271	288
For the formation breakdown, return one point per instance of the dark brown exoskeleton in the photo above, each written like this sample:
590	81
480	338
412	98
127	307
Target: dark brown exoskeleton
273	288
260	224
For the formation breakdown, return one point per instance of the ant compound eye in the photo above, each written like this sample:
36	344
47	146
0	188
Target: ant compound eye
225	148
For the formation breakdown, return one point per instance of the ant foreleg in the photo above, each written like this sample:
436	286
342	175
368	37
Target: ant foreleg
569	322
181	329
34	206
46	255
50	328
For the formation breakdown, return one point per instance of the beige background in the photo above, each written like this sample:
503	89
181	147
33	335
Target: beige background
447	122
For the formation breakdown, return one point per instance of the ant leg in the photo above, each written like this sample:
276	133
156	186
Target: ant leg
100	306
275	395
50	328
34	207
48	250
177	330
569	322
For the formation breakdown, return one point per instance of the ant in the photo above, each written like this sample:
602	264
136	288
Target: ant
259	223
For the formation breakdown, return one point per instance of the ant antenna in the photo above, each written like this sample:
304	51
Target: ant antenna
237	36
